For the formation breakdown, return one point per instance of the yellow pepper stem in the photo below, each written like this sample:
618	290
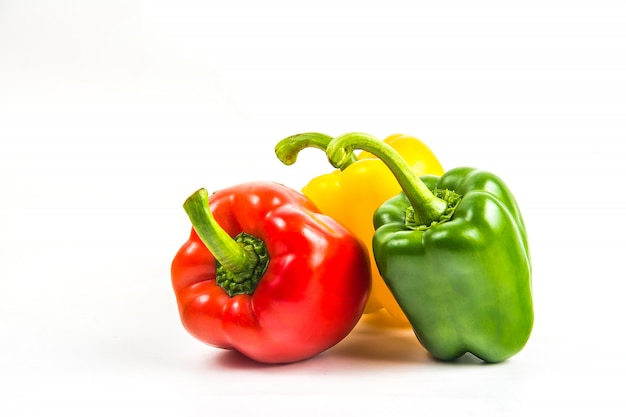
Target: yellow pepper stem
287	149
428	208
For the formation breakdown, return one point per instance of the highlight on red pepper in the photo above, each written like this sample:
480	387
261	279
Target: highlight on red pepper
266	274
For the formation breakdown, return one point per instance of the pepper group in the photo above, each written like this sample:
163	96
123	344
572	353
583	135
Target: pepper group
282	275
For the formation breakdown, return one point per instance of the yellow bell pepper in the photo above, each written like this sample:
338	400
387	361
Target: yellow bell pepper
352	193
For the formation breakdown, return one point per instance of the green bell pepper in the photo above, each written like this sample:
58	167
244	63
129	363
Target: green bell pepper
454	252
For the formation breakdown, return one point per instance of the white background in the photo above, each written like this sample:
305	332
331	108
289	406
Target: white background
113	112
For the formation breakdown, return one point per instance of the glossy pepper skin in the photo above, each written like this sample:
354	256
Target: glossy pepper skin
454	252
352	193
305	278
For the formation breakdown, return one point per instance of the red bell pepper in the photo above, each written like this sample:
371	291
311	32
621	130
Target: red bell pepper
265	273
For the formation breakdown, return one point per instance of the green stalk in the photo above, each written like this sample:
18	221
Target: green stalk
428	208
287	149
242	261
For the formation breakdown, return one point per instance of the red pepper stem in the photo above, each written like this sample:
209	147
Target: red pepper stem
428	208
224	248
287	149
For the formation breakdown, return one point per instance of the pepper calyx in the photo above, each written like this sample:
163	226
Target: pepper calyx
246	280
452	200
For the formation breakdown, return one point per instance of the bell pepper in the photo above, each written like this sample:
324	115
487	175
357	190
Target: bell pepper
352	193
265	273
454	252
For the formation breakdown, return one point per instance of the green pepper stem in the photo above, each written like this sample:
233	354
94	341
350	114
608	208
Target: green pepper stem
287	149
428	208
224	248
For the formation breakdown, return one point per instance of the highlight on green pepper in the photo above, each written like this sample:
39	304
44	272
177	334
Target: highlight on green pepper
454	252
